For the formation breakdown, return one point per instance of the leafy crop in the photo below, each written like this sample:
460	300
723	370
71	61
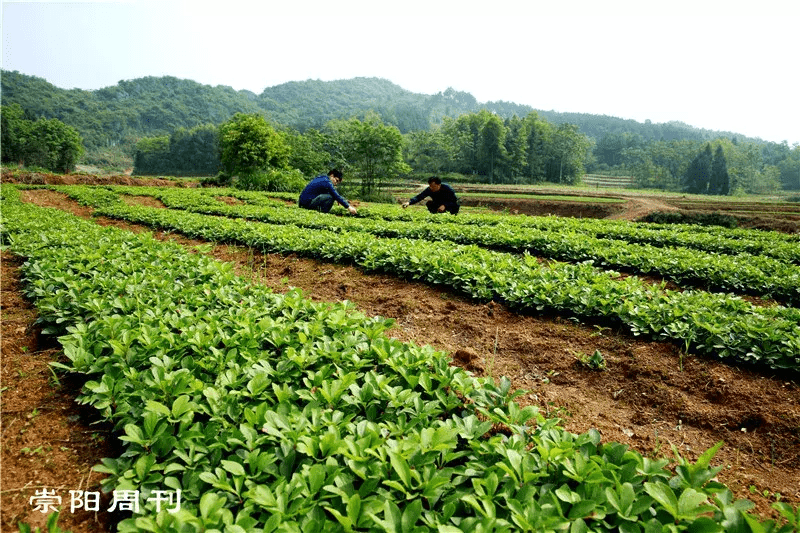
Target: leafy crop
737	271
274	413
719	325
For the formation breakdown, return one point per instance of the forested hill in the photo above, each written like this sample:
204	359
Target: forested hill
152	106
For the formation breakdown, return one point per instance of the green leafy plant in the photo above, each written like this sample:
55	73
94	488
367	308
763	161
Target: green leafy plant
596	361
51	526
272	412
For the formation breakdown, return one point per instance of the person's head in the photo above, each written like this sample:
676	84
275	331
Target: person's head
435	183
335	176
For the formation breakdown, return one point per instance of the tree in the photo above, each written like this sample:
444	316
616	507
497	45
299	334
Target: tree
308	151
790	169
720	180
151	156
247	144
608	150
491	150
46	143
567	153
540	133
698	175
748	173
465	135
372	150
428	151
14	129
195	152
516	144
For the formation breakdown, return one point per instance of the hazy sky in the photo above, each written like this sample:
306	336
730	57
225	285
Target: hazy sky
710	63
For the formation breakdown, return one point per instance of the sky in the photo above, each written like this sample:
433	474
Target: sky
724	65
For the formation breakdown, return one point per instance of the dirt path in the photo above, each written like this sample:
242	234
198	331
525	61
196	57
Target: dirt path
48	441
649	397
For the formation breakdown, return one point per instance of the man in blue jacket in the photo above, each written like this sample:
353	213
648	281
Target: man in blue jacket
320	193
443	197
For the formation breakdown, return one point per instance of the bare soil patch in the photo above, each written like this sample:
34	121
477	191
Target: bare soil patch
48	440
44	178
649	397
547	207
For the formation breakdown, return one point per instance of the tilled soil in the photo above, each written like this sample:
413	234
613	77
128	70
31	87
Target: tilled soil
649	396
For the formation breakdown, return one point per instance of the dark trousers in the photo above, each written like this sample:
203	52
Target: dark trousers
322	203
450	208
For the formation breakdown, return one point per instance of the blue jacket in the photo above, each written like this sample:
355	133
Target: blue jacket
320	185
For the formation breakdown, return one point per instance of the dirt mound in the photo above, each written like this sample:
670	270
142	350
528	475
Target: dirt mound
547	208
42	178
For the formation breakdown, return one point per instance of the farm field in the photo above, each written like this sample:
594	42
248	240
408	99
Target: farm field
763	214
650	396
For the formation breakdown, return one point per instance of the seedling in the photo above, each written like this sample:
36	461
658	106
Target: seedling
596	361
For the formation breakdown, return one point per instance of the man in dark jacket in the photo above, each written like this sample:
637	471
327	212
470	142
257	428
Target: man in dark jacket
320	193
443	197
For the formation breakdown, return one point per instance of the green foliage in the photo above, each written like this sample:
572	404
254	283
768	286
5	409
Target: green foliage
310	151
184	153
698	174
596	361
370	150
511	151
273	413
273	180
14	129
707	173
45	143
719	325
377	196
152	156
789	166
248	144
51	526
720	179
222	179
111	120
667	165
701	219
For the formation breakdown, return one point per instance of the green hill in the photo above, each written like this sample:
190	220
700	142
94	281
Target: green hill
151	106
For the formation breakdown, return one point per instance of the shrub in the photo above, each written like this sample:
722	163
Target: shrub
701	219
223	179
273	180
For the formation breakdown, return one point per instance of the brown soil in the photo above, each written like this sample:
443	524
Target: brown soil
42	178
47	440
649	397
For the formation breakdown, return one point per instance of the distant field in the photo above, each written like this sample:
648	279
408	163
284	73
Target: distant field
557	197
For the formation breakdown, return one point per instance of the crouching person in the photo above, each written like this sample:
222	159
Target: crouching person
443	197
321	192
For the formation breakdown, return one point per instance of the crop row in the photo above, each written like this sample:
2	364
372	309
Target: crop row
742	274
781	246
273	413
717	325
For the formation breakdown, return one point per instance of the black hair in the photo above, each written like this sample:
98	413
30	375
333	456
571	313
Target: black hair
336	173
435	179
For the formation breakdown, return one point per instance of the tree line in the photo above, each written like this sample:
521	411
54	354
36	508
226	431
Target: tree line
151	106
512	150
169	122
686	165
45	143
479	145
251	153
